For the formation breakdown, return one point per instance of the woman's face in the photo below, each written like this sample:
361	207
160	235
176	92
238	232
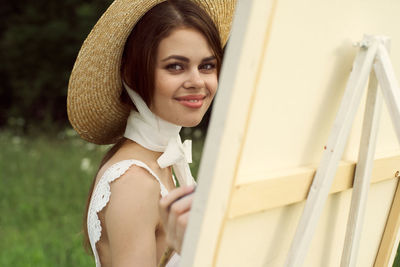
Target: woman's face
185	78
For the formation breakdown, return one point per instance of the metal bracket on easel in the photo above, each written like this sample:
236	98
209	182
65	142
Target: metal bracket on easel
372	63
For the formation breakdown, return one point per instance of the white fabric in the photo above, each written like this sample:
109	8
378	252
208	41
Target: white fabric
156	134
100	197
174	261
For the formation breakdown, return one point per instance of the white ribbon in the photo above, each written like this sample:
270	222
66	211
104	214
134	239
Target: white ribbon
156	134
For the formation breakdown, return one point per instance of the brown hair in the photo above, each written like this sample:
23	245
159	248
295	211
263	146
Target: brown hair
138	59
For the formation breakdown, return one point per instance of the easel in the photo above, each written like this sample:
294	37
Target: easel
372	61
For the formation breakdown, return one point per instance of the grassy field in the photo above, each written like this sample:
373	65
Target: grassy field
43	187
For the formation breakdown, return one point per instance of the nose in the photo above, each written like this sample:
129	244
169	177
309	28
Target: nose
194	80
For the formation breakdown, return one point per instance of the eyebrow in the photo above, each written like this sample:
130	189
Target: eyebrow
185	59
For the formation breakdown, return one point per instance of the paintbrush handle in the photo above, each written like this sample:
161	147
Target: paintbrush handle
165	257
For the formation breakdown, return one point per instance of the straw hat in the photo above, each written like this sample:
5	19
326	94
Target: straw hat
95	85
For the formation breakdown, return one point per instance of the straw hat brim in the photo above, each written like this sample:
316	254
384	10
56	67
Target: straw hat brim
93	102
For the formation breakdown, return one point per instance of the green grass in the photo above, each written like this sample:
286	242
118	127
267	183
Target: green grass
42	196
44	182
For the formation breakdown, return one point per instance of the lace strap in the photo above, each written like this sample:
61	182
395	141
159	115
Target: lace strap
101	195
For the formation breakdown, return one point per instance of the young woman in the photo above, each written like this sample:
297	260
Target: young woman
146	69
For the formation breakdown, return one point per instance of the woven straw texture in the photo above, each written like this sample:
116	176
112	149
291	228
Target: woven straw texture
95	85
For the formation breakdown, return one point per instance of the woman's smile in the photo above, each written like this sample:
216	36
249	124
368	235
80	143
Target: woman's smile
191	101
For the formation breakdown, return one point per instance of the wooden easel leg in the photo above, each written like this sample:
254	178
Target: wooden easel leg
337	140
362	177
383	258
391	92
390	89
363	170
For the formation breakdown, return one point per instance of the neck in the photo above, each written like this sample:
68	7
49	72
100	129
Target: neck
150	155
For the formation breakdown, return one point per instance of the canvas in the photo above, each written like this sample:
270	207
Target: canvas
283	79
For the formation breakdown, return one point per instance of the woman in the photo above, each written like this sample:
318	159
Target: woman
146	69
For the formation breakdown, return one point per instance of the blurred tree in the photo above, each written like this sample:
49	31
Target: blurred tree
39	41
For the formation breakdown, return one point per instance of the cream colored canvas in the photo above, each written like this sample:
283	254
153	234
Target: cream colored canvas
283	79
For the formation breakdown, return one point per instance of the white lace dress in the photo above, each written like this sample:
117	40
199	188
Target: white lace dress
101	196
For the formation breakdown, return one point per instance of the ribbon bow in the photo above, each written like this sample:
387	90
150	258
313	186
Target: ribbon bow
175	152
178	155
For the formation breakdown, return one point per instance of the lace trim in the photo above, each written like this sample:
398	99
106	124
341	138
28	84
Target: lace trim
101	196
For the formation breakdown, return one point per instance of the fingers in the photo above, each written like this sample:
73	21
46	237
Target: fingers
177	222
181	205
174	195
178	215
182	222
174	212
173	206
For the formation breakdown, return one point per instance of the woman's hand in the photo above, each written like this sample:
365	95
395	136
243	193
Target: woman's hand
174	212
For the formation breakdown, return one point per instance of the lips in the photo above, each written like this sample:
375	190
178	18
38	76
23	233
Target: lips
191	101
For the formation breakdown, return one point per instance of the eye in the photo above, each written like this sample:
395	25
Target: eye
208	66
174	67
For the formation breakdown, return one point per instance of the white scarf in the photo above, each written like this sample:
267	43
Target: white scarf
156	134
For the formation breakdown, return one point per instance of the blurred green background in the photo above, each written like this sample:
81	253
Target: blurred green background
39	41
45	168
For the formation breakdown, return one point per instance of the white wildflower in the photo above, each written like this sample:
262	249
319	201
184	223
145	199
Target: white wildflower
69	132
86	164
90	146
16	140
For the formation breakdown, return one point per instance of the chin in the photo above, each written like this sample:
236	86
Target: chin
191	123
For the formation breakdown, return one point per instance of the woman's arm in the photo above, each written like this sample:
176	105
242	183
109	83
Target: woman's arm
131	218
174	213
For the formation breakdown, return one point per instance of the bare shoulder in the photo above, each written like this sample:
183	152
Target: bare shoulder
136	191
132	211
131	218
